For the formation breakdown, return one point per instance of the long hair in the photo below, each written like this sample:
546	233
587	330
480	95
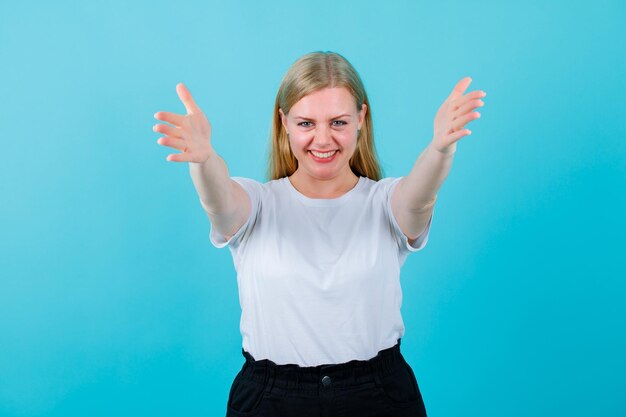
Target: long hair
310	73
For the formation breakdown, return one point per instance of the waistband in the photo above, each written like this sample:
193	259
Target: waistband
350	373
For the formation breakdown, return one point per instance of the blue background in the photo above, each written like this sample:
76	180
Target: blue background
113	301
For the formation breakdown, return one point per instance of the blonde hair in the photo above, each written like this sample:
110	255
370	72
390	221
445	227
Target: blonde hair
310	73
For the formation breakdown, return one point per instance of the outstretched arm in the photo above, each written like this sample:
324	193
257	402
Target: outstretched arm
224	200
414	197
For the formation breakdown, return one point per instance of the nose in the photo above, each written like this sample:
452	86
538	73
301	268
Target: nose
323	137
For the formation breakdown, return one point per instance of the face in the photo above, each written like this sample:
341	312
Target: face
322	129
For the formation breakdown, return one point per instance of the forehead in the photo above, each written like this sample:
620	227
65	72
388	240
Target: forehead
325	101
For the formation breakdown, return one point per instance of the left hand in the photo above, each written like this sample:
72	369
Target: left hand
454	114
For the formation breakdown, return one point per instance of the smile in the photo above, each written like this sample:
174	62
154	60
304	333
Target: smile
323	155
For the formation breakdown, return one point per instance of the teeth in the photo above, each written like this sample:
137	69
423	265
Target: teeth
323	155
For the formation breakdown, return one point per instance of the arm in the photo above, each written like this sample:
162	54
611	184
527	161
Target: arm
225	201
414	197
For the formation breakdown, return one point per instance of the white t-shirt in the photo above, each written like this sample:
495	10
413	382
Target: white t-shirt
319	279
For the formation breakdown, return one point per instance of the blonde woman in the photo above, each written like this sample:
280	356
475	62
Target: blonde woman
318	248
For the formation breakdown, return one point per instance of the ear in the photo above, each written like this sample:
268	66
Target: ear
362	114
283	118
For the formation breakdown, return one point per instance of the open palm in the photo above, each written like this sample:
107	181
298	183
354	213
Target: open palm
189	133
455	112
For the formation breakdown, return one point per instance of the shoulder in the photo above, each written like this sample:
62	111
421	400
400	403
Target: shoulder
384	185
258	189
252	183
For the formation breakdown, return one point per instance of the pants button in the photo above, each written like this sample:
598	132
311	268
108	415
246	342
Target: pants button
326	380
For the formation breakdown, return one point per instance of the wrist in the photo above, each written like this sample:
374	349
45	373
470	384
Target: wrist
446	151
204	160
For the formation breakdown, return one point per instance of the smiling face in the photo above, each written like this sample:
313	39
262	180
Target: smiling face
322	129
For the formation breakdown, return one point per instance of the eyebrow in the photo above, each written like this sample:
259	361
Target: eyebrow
332	118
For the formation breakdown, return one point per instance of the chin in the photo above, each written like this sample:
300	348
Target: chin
324	174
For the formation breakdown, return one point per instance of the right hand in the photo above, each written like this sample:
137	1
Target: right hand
190	133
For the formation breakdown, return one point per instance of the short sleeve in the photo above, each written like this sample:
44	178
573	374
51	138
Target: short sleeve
253	189
403	241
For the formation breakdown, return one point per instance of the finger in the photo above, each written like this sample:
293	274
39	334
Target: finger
455	136
459	88
467	107
168	130
185	97
460	123
172	118
178	157
455	104
176	143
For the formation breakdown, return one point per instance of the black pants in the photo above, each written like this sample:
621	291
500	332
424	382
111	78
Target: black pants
382	386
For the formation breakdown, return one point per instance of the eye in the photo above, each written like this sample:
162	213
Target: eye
342	123
302	124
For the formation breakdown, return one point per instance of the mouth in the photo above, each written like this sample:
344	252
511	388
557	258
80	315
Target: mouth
323	155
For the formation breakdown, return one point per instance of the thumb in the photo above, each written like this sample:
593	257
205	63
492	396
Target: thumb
185	97
459	88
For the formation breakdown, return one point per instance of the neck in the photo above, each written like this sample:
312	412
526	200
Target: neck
323	188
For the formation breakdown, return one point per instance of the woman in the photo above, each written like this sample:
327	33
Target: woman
318	248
